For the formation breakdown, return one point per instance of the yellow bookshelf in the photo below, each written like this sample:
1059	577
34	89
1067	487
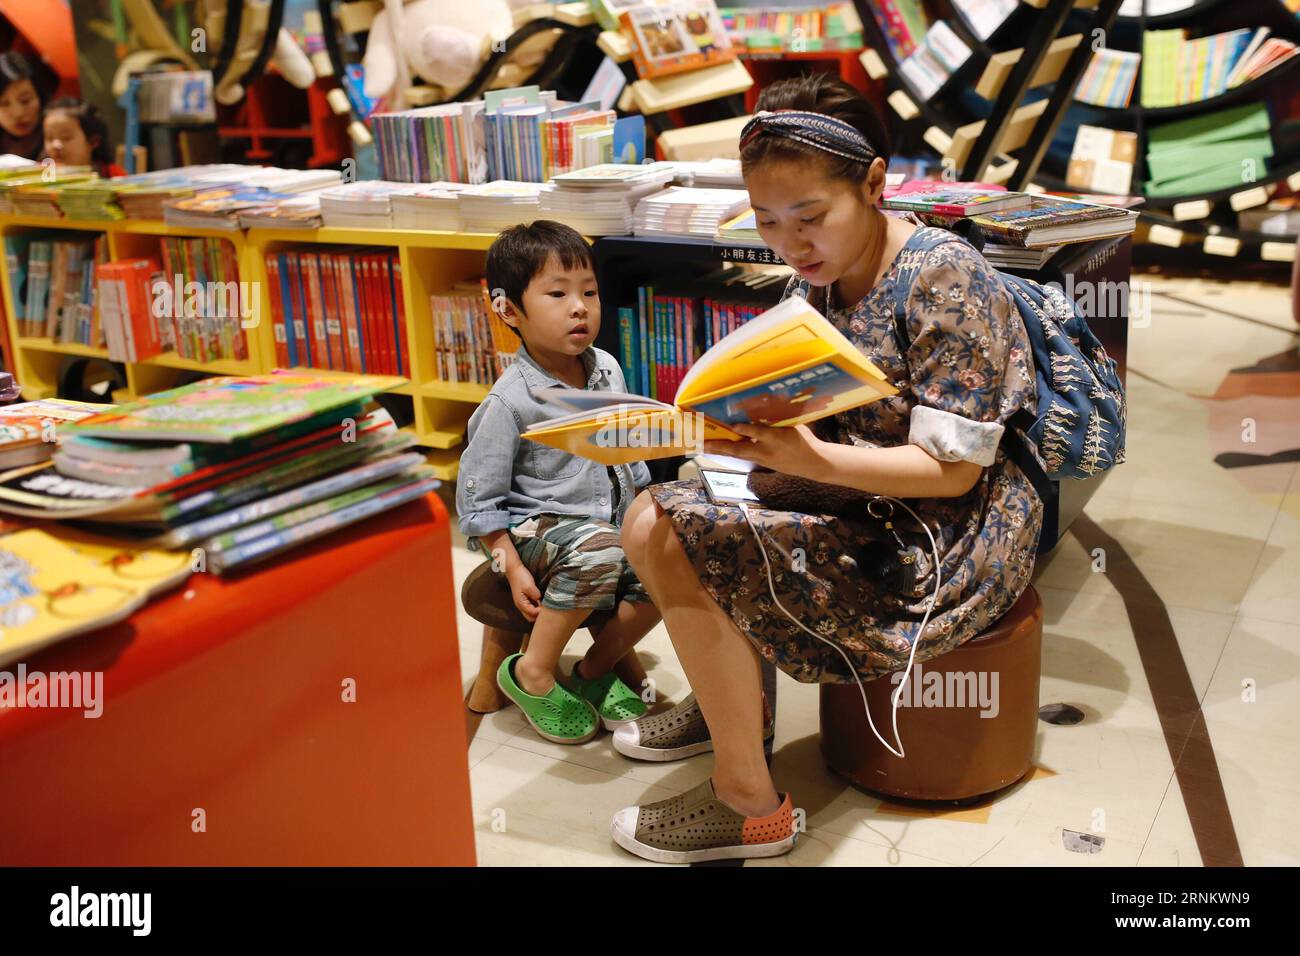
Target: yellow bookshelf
431	261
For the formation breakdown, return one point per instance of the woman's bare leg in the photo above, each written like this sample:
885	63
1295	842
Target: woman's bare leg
720	663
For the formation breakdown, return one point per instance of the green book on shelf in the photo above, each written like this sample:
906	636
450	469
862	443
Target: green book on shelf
1236	123
1173	163
1212	179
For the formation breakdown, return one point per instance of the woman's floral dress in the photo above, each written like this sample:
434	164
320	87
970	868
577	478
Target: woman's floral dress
967	371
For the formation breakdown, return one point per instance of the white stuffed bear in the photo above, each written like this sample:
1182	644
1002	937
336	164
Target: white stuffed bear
444	42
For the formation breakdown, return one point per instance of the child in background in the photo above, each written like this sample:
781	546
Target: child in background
76	135
550	519
21	101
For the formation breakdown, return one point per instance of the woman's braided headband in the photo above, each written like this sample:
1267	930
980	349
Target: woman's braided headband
818	130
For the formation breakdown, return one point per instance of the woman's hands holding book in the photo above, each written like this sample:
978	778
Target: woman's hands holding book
794	450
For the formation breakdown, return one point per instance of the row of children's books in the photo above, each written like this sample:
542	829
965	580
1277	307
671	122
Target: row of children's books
53	282
524	134
341	310
668	327
1178	70
797	29
471	342
202	307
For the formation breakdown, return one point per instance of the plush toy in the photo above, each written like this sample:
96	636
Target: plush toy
444	42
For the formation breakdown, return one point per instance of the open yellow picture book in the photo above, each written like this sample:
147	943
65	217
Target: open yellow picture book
785	367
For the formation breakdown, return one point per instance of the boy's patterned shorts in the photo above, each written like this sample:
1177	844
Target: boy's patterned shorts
576	562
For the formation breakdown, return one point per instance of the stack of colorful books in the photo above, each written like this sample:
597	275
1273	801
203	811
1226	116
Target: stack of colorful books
1178	70
432	206
498	205
687	211
599	200
235	470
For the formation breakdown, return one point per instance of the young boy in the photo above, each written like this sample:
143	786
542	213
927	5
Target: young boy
547	518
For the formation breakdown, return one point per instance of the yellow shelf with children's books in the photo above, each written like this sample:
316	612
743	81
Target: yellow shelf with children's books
38	359
431	263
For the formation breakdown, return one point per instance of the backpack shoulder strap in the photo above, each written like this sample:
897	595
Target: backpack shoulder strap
923	240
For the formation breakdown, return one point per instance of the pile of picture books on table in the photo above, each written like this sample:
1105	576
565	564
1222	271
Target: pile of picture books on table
492	207
363	204
29	430
431	206
232	470
1020	229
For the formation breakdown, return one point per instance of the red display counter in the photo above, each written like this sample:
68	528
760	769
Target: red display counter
227	735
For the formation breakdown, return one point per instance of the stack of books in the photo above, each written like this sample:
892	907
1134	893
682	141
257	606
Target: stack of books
1004	256
669	327
53	283
1208	152
498	205
1102	160
265	188
465	348
743	228
942	200
341	310
39	195
432	206
202	307
935	60
1109	78
234	469
797	29
365	204
29	431
124	298
294	212
1045	221
709	173
674	36
1179	70
687	211
903	23
143	197
599	200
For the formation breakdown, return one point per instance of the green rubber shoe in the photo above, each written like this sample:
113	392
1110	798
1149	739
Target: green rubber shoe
615	702
560	716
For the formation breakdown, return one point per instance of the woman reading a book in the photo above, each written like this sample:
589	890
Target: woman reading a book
814	159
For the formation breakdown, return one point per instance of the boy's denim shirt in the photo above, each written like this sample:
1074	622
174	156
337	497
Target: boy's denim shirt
505	479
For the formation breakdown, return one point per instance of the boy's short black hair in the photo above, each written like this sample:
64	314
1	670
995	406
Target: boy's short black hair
521	252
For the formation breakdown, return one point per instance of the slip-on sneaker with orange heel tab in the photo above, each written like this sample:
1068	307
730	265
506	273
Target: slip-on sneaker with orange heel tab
695	827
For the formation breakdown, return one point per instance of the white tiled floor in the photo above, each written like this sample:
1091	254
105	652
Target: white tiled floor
1221	547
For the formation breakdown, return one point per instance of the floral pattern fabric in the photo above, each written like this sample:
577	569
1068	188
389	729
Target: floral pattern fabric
969	358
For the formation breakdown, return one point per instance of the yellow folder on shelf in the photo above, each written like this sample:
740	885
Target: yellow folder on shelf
785	367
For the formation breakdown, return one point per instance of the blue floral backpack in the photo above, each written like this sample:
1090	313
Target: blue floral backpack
1079	429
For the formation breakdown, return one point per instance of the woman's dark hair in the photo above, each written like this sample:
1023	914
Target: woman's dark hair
519	253
14	68
818	93
92	124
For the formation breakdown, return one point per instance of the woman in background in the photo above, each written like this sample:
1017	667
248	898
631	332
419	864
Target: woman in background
21	103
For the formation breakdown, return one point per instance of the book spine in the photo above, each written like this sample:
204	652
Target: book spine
399	315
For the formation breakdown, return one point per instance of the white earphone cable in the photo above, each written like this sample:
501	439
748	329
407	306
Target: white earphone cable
934	600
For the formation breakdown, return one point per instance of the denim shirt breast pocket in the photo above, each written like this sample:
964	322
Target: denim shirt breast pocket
550	463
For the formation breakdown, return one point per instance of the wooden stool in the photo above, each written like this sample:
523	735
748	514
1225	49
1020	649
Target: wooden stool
486	597
952	752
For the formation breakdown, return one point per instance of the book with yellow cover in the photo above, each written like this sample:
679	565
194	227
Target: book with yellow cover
785	367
